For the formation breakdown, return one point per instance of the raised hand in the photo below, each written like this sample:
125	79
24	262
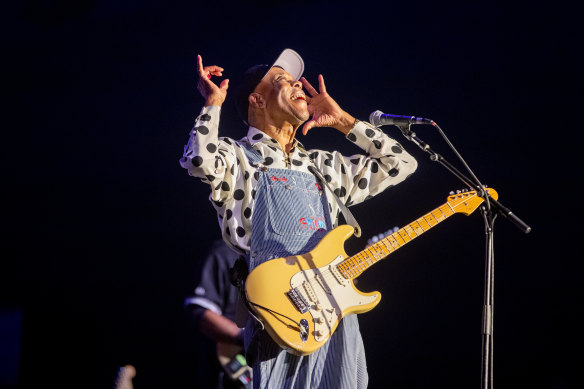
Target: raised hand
324	111
213	94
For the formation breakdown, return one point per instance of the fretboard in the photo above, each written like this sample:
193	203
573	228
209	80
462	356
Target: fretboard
353	266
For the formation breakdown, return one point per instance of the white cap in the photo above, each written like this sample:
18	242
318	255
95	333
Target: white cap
292	62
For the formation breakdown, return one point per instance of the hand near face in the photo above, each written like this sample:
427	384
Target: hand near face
213	94
324	111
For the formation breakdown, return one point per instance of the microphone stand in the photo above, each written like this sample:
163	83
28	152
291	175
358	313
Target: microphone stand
490	210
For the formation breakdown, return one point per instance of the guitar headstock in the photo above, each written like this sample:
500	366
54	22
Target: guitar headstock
468	202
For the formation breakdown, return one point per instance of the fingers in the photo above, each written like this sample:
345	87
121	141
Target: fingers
307	126
224	84
208	71
309	88
321	85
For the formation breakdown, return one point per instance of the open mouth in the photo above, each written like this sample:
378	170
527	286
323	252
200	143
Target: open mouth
298	96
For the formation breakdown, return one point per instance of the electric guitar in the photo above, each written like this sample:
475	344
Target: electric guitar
301	299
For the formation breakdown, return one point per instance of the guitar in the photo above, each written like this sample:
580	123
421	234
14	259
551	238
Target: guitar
231	359
301	299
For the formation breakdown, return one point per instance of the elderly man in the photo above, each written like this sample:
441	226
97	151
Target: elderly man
270	204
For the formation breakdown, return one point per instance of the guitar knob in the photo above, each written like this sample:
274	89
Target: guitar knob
318	307
319	333
319	320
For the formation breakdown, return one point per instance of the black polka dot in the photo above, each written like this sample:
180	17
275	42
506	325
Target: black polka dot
352	137
197	161
202	130
393	172
211	147
374	167
330	207
256	176
218	203
210	177
268	161
328	178
232	170
272	148
369	132
253	193
238	194
343	169
240	232
355	161
245	175
226	140
377	144
396	149
225	186
362	183
329	155
227	231
302	155
328	162
247	212
205	117
296	162
313	155
341	192
273	140
228	214
257	136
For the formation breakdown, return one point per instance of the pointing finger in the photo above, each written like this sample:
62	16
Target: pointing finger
200	64
309	88
321	84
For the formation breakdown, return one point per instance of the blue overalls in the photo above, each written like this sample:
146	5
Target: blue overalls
291	215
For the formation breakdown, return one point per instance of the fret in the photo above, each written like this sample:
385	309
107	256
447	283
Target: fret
422	220
405	229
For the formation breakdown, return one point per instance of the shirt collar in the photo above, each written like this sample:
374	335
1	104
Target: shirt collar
255	135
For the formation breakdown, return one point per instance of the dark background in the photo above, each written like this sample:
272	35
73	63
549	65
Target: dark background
103	232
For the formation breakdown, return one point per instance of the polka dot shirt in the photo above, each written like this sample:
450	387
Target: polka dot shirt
222	163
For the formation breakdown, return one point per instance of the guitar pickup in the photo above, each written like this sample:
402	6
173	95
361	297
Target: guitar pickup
298	300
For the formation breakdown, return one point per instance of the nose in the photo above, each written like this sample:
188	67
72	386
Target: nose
297	84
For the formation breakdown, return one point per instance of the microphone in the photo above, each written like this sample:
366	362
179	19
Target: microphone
379	118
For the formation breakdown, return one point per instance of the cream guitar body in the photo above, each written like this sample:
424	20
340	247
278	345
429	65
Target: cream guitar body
301	299
306	296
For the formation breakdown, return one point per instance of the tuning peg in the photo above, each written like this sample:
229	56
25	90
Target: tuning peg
451	192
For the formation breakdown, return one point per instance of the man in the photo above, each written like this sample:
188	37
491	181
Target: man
212	309
270	205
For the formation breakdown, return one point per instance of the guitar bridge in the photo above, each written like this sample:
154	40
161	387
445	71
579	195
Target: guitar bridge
298	300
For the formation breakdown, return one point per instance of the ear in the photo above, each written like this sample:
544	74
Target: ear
256	100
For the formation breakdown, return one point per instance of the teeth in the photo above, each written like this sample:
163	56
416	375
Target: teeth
298	96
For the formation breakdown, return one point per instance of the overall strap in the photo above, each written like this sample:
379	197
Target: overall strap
252	154
348	215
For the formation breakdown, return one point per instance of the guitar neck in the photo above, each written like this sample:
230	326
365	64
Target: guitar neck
353	266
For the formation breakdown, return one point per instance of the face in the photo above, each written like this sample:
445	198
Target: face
284	99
